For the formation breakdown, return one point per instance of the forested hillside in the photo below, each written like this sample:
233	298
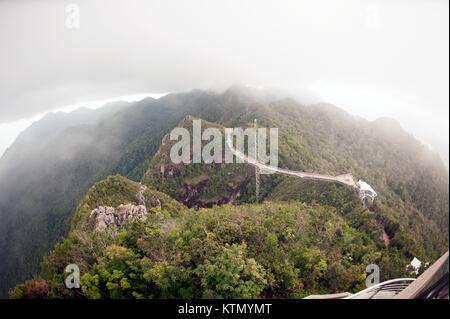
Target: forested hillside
270	250
44	177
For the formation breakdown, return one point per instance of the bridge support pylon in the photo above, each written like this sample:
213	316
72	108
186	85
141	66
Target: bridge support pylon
257	180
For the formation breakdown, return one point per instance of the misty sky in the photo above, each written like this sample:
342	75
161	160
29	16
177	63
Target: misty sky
372	58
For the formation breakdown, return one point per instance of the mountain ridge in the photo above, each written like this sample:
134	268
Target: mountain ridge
124	143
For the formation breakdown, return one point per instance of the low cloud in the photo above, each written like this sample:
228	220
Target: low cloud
121	47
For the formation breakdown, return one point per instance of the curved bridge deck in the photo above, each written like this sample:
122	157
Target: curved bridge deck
345	179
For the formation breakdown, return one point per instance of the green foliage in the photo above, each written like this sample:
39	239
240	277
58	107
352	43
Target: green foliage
269	250
230	274
90	286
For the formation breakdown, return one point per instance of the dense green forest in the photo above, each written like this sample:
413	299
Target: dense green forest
302	237
268	250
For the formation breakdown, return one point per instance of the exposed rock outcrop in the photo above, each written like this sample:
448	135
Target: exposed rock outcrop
105	217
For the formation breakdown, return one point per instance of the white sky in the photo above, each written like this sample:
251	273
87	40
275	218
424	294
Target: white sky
371	57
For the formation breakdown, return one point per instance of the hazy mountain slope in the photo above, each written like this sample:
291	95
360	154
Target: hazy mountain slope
40	192
31	140
412	182
55	167
411	212
197	184
42	179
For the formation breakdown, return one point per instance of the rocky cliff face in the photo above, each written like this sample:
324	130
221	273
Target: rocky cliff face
104	217
109	218
200	184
